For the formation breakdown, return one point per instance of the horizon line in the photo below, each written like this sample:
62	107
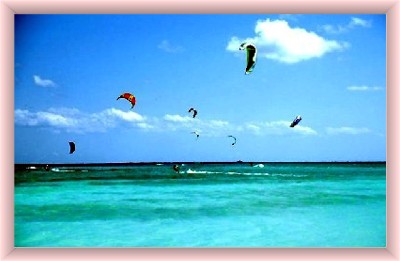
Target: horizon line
199	162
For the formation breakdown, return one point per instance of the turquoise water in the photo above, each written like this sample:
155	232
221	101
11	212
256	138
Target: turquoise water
205	205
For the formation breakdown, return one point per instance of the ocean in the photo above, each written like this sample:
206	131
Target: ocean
264	205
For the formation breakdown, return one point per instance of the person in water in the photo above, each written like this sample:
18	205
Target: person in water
176	168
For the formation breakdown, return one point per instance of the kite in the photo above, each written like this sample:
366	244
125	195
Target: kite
295	121
196	133
194	112
233	143
71	147
129	97
251	56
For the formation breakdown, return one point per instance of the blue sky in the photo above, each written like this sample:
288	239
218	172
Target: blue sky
69	70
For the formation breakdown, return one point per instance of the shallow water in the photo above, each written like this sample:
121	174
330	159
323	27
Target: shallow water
205	205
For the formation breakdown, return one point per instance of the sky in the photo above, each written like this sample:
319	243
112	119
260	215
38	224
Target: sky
69	70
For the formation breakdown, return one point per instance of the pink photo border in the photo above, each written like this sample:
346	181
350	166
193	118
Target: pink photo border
10	7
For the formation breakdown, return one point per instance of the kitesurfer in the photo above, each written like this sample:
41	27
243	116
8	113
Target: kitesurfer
176	168
196	133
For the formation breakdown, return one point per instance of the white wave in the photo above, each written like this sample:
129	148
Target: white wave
190	171
248	173
233	173
289	175
259	174
62	170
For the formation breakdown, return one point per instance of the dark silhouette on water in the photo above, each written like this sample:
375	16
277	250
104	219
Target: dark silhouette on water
176	168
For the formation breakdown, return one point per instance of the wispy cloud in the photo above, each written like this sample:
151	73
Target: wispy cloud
364	88
166	46
43	82
281	127
175	122
25	117
73	120
219	127
347	130
290	17
354	22
217	124
177	118
277	40
129	116
359	22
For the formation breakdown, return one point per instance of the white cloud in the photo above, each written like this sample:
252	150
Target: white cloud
354	22
24	117
253	127
177	118
43	82
347	130
73	120
55	119
359	22
144	125
129	116
166	46
275	127
305	130
281	127
364	88
218	124
186	123
276	40
290	17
